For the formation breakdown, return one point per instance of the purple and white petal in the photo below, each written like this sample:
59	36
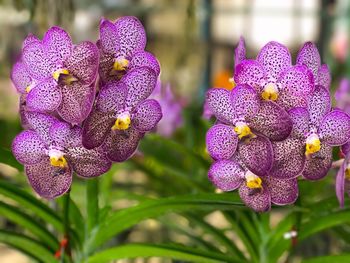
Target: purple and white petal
256	154
318	164
324	77
112	97
20	77
289	161
272	121
300	120
41	124
64	135
108	37
30	39
309	56
319	105
226	175
250	72
283	192
146	115
47	180
105	67
88	163
335	128
288	100
245	101
46	96
240	51
144	59
345	148
28	148
340	182
221	141
258	200
219	102
274	58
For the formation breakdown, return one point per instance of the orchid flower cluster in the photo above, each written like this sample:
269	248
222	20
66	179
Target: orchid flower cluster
83	106
275	125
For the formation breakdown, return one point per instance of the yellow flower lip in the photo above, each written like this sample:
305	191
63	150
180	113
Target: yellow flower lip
122	122
63	76
270	92
28	88
347	173
57	73
57	158
120	64
233	83
243	130
253	181
313	144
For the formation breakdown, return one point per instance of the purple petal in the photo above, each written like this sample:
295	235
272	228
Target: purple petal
46	96
335	128
272	121
319	105
20	77
340	182
308	55
41	123
108	37
121	145
28	148
324	77
245	101
300	120
140	83
146	115
88	163
64	135
240	51
289	160
345	148
260	201
29	40
226	175
58	45
144	59
77	101
105	67
318	165
112	97
47	180
219	102
221	141
274	58
83	63
95	129
131	35
250	72
256	154
283	192
22	112
288	100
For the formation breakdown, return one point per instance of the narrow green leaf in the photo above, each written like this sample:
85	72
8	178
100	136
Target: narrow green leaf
166	251
28	246
329	259
7	157
92	203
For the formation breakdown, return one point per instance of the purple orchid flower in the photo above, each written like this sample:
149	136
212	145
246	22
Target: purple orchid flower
342	95
309	56
274	77
123	114
51	150
342	182
171	108
257	192
57	75
121	46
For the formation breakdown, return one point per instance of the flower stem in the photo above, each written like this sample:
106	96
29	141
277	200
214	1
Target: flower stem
92	203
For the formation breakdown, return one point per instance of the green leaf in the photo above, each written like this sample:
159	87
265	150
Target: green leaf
329	259
27	222
166	251
7	157
28	246
125	218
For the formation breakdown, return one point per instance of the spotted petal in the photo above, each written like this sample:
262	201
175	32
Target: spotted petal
28	148
300	120
283	192
345	148
250	72
319	105
318	165
335	128
226	175
88	163
144	59
112	97
140	83
309	56
340	182
289	160
274	58
245	102
41	124
146	115
46	96
219	102
47	180
256	154
240	51
324	77
83	63
64	135
105	67
20	77
131	35
30	39
221	141
77	101
108	37
272	121
260	200
121	145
